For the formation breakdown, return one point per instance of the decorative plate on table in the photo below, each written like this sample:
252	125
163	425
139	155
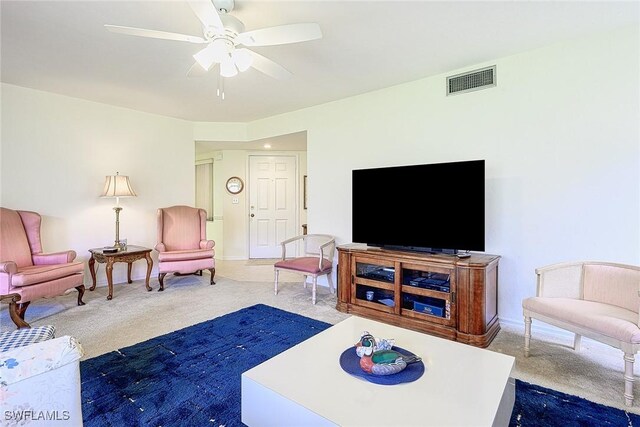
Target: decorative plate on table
350	363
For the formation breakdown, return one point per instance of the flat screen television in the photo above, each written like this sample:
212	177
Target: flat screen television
435	207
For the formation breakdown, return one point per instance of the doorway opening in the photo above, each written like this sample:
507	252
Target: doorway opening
231	227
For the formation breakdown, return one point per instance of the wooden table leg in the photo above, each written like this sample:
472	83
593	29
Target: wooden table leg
92	270
149	266
110	277
129	265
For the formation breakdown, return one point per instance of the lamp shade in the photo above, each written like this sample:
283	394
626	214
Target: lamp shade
117	186
216	51
242	58
228	68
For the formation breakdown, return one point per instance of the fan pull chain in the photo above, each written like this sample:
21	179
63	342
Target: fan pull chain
220	90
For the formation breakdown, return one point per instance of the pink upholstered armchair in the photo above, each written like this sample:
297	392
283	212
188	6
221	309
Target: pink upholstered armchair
26	273
317	260
182	244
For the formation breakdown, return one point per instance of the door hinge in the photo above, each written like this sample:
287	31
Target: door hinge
353	279
453	297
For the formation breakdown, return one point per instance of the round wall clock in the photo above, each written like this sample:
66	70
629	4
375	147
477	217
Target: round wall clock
234	185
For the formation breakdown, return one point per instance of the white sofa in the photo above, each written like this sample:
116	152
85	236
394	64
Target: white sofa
598	300
40	383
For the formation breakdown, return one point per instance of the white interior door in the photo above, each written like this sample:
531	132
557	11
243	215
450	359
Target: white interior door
272	204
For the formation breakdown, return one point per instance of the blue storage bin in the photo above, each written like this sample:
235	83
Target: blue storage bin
433	308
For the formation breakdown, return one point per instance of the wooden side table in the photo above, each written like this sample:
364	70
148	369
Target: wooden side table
129	255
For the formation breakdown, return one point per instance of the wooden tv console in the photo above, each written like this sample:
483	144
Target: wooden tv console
443	295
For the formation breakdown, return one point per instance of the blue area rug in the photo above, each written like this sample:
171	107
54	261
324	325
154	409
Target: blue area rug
191	377
537	406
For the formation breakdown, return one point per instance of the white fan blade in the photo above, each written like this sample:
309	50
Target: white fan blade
154	34
282	34
267	66
207	14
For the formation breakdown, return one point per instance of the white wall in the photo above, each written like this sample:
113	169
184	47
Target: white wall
56	152
559	134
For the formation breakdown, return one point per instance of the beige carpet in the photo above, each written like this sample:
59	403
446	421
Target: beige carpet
262	261
135	315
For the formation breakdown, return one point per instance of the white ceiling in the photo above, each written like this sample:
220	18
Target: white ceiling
62	47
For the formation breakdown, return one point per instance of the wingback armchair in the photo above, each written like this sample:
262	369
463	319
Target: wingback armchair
26	273
182	244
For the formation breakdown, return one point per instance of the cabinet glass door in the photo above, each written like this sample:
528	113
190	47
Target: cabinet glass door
373	284
427	293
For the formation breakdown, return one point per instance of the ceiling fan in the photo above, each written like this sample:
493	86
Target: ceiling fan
224	35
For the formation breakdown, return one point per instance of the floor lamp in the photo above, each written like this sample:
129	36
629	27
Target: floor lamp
118	186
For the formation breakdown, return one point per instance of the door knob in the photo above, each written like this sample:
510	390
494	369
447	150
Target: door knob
252	215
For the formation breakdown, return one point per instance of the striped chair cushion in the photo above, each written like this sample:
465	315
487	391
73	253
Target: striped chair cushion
25	336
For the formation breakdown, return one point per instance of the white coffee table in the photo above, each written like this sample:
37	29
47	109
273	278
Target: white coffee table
305	385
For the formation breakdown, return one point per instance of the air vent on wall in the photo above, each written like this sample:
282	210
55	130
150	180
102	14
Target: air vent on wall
472	80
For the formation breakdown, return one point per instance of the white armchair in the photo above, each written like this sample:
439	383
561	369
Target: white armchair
317	260
598	300
41	381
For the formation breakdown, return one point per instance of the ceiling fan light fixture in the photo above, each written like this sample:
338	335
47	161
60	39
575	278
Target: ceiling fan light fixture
242	59
216	51
228	69
204	58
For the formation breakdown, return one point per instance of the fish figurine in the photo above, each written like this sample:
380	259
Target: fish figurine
380	344
383	362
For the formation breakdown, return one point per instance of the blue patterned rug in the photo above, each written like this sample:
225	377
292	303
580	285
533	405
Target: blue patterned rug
191	377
